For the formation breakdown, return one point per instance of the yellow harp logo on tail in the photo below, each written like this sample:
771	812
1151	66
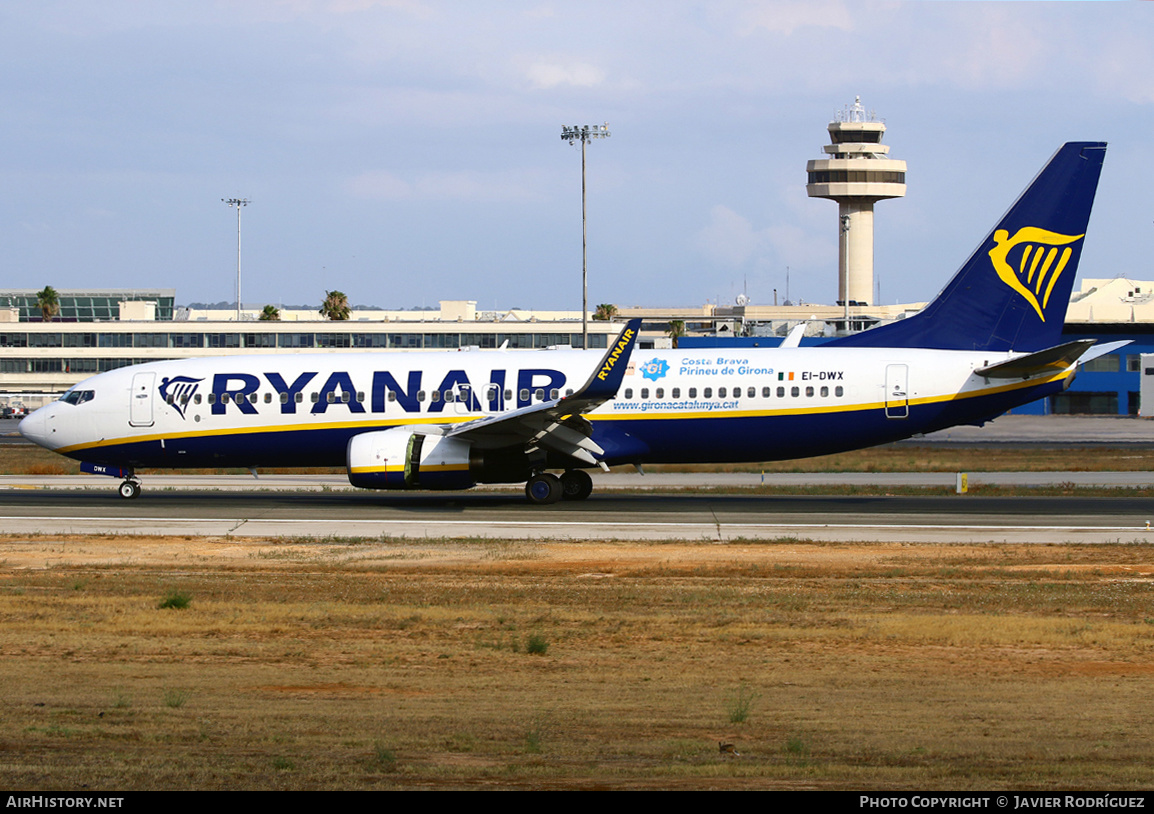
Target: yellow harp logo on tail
1039	264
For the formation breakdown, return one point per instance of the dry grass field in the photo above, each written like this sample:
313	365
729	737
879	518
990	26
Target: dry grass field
137	663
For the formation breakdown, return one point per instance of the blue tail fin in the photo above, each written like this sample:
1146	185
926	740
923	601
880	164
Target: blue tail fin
1013	291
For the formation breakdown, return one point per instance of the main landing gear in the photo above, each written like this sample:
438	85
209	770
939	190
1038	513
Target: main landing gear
130	489
544	488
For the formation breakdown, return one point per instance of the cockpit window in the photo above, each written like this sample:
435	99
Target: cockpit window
78	396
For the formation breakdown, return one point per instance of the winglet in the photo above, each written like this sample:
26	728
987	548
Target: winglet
606	378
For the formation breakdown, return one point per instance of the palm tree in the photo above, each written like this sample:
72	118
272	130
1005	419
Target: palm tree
676	330
605	312
335	306
48	301
270	314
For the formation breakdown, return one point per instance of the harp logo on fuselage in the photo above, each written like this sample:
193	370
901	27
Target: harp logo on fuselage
178	391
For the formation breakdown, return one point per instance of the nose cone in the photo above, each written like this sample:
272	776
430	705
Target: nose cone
34	427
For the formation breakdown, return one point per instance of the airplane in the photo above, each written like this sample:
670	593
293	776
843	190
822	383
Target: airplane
445	420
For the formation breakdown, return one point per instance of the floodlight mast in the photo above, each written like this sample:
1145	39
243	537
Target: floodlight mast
584	134
238	203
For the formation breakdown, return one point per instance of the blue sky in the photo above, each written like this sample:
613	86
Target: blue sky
407	151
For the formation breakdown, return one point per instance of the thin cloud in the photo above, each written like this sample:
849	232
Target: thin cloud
547	75
477	187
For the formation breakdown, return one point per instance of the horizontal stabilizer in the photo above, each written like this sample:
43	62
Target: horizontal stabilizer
1050	360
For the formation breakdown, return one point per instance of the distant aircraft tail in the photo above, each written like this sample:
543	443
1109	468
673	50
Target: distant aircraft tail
1013	291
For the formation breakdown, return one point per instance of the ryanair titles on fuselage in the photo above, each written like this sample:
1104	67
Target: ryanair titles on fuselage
239	390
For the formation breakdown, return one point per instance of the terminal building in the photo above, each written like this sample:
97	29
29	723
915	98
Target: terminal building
41	359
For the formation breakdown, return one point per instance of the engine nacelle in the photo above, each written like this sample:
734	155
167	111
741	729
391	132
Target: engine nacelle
403	459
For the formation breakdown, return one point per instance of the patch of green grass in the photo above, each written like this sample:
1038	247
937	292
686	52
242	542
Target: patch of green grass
383	758
175	600
176	698
740	704
797	751
536	645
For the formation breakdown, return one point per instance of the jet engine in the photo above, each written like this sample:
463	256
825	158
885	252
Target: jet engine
403	459
413	458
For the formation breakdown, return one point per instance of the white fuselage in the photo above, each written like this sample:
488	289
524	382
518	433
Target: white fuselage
673	405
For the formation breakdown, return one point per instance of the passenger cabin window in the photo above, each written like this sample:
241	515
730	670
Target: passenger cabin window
707	393
628	392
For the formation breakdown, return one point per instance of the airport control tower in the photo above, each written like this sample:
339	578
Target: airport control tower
856	174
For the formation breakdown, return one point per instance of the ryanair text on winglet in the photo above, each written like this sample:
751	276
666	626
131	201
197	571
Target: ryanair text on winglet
622	344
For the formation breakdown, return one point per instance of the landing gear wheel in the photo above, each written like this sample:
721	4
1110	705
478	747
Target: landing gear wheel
543	489
129	489
576	485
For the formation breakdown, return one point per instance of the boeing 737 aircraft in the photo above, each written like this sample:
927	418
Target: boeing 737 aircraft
451	419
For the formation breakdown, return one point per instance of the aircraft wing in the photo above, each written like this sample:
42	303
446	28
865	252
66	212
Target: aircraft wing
1050	360
558	424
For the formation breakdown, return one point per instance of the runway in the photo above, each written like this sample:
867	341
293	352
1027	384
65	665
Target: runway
623	516
625	505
